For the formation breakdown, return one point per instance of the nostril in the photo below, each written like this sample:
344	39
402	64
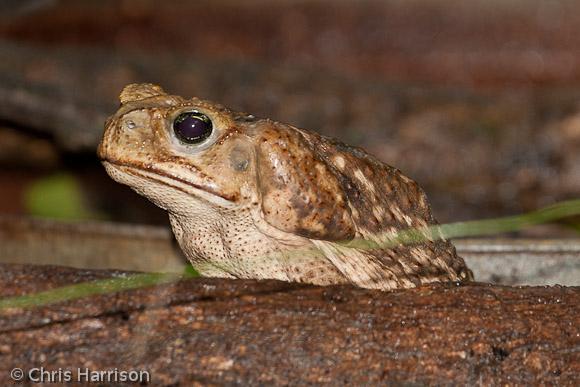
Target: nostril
130	124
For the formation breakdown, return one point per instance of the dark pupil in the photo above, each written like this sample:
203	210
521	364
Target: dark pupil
192	127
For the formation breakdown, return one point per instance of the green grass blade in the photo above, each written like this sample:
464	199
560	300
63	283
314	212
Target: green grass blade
105	286
410	236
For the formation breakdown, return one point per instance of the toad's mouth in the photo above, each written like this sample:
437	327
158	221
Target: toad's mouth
159	176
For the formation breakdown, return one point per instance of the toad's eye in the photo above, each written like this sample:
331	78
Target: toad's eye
192	127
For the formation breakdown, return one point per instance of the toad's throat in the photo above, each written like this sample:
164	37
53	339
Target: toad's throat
157	175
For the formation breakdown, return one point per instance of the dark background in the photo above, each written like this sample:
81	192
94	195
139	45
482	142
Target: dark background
476	100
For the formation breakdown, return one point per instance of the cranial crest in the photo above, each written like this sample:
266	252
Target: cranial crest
138	91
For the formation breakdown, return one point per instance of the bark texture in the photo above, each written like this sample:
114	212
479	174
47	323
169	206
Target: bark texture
250	332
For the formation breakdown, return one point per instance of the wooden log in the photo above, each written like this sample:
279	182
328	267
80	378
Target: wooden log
89	245
214	331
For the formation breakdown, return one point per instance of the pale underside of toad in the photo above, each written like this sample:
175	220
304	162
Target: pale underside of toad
254	198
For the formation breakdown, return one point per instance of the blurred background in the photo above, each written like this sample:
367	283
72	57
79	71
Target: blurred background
478	101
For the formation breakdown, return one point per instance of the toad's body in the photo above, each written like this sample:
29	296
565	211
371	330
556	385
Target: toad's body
253	198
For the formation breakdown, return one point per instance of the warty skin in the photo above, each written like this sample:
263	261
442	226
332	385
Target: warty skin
261	199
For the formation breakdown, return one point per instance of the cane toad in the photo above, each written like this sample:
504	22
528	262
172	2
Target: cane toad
254	198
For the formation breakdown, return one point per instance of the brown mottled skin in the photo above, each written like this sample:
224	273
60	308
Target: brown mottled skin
262	199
